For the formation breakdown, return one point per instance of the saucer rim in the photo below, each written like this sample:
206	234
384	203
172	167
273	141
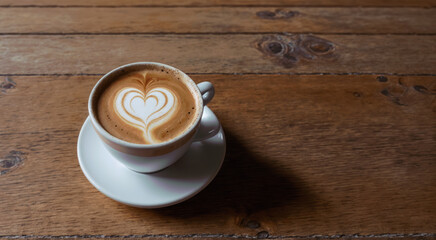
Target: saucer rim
149	206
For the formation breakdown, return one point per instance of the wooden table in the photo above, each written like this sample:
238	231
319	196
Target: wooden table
328	107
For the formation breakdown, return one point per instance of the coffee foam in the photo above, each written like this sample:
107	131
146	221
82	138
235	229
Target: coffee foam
147	107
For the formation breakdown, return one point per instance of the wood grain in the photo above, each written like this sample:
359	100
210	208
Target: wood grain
210	20
326	155
223	237
235	53
390	3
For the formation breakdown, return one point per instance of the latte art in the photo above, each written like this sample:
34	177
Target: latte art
140	110
146	107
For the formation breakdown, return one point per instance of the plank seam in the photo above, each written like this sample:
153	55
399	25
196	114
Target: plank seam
206	33
210	6
219	73
336	236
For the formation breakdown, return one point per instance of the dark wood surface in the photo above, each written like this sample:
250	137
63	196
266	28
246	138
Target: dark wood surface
235	54
336	140
195	3
369	20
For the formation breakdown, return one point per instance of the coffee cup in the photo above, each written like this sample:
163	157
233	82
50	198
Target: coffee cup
159	149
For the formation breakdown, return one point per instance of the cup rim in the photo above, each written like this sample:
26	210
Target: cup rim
98	127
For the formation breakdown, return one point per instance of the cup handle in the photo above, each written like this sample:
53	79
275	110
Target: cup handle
207	91
209	126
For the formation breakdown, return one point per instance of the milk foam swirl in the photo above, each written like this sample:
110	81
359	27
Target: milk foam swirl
145	111
147	107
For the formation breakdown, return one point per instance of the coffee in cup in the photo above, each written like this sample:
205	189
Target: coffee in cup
148	106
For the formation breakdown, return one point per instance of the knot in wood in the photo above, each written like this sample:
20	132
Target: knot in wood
357	94
7	84
262	235
275	47
319	47
382	79
288	49
277	14
423	90
11	161
249	223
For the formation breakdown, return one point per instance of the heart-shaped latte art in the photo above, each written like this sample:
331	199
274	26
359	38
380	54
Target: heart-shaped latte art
145	111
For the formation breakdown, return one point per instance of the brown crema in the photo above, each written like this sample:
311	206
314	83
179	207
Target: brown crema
145	84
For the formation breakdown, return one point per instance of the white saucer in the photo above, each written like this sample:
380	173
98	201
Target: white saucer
179	182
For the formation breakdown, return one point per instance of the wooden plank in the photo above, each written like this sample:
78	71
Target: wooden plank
325	155
223	237
390	3
98	54
210	20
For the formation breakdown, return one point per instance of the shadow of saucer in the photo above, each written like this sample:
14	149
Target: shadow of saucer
246	184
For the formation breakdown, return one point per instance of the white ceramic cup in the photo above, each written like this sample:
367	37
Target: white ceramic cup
148	158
